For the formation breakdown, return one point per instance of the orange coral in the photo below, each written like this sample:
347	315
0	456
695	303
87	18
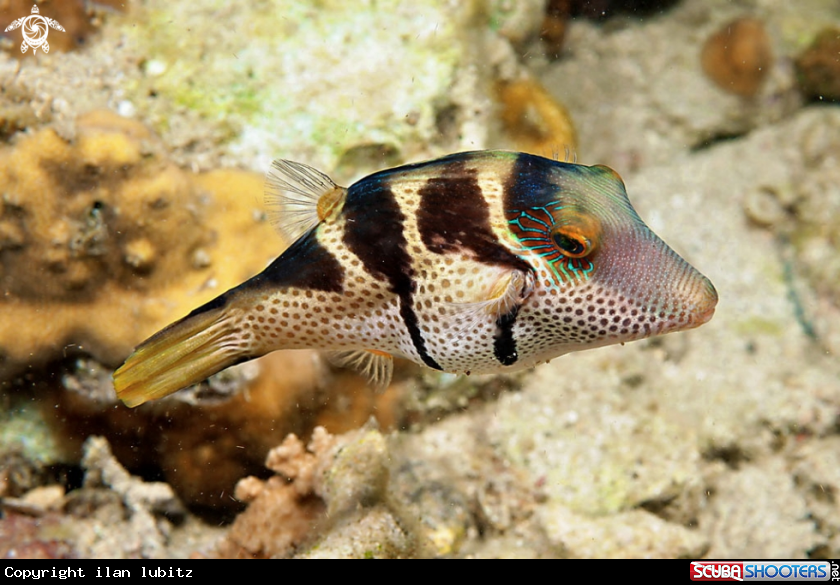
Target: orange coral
534	120
103	241
738	56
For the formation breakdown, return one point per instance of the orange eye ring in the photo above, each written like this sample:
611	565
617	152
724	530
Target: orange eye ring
571	245
569	240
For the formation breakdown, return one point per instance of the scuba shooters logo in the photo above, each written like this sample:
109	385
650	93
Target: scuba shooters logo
765	571
35	31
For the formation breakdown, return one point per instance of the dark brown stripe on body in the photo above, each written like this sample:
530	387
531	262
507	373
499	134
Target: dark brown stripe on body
453	217
305	264
374	231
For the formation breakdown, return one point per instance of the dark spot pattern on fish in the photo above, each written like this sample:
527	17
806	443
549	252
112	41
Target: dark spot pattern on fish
305	264
380	254
453	217
504	343
374	231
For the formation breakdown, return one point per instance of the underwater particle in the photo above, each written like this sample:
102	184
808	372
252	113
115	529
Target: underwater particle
535	121
738	56
154	67
818	67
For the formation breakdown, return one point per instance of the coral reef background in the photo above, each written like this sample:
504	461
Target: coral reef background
131	184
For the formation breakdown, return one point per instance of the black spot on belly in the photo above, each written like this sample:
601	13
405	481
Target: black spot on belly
504	345
453	217
305	264
374	231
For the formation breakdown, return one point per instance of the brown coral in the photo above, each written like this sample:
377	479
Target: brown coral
738	56
103	241
818	67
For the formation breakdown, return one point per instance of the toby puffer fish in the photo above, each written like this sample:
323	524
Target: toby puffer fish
476	262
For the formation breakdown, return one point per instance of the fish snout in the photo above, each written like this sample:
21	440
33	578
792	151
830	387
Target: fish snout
704	300
684	298
652	288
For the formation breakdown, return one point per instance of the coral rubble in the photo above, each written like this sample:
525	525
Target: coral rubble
338	483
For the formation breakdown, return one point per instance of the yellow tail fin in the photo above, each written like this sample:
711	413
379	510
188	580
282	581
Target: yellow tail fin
184	353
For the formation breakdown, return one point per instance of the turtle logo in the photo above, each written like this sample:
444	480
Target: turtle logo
35	30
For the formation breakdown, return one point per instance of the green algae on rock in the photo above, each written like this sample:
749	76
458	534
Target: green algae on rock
315	80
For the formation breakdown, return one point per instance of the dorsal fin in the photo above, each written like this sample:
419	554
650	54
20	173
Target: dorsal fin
295	197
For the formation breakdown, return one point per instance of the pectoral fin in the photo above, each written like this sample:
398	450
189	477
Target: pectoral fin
376	366
508	294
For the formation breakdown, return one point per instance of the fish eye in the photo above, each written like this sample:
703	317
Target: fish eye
571	242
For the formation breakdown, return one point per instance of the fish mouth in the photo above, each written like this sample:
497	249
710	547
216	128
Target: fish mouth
704	317
706	306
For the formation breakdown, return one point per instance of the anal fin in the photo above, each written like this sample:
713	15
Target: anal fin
376	366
